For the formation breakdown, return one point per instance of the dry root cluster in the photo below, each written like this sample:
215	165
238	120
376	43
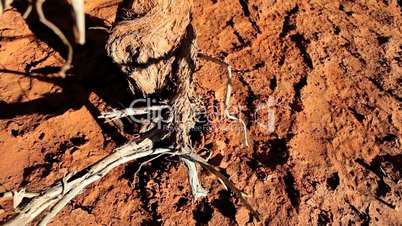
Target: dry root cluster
156	49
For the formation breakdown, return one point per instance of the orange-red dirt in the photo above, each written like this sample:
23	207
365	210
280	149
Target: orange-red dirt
331	72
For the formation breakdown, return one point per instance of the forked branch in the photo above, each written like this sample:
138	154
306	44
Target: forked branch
226	181
59	195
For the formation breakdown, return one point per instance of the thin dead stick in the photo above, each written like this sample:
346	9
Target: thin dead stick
18	196
228	104
228	94
100	28
28	10
146	162
5	4
117	114
239	194
78	8
59	33
79	16
196	188
59	195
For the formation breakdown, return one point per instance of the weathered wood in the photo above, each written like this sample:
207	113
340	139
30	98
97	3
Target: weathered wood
155	45
144	46
59	195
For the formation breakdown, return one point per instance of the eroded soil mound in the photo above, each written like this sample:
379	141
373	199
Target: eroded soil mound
319	84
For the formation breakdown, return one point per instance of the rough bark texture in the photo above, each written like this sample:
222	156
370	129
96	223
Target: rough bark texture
144	45
157	45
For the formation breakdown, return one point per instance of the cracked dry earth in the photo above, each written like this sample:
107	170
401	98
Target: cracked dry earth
331	72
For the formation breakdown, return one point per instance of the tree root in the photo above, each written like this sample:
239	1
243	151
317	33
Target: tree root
227	182
196	187
72	185
228	94
5	4
79	27
118	114
79	18
59	33
60	194
171	55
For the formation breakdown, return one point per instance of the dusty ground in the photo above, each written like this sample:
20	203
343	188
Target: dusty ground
331	72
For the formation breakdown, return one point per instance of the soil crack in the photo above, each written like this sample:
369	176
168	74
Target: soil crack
301	44
288	24
246	12
290	188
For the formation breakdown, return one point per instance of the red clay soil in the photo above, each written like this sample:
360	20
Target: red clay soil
331	72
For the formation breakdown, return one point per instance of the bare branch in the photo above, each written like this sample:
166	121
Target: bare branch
59	195
79	16
149	59
146	162
228	94
117	114
228	104
18	196
229	184
5	4
196	188
27	11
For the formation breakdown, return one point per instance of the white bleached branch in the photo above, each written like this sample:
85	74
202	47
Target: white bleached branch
228	94
59	33
196	188
117	114
5	4
79	17
59	195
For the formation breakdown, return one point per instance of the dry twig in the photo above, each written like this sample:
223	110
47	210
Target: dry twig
79	17
196	187
5	4
118	114
228	94
79	28
227	183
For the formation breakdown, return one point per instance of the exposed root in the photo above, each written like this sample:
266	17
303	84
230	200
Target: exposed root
228	184
228	94
27	11
118	114
18	196
79	27
149	60
146	162
196	188
79	17
228	97
60	194
59	33
5	4
106	29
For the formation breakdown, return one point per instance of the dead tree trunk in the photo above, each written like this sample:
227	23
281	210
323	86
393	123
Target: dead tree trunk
146	45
